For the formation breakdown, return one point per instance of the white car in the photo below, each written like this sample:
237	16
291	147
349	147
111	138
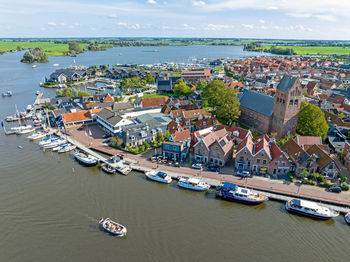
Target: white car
243	173
197	166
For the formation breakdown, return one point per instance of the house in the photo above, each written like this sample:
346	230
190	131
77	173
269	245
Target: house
196	96
325	164
200	133
79	118
110	121
196	75
177	146
261	156
154	101
166	85
69	75
238	134
346	154
206	122
216	147
136	134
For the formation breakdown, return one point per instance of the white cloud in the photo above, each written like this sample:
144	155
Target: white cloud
216	27
272	8
262	21
249	26
51	24
329	18
153	2
198	3
300	15
112	16
63	24
129	26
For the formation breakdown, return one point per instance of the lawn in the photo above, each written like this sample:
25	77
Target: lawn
316	50
50	48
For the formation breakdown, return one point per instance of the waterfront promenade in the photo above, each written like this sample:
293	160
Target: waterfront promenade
282	187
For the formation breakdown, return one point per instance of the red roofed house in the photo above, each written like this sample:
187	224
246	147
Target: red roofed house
237	134
79	118
216	147
154	101
263	156
108	98
196	75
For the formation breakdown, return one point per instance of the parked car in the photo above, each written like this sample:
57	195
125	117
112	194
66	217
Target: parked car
197	165
243	173
176	164
214	168
334	189
121	156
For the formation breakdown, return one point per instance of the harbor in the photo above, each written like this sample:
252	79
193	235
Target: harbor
61	201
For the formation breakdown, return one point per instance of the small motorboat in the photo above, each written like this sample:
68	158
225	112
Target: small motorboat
232	192
34	66
25	131
55	64
6	94
67	148
21	128
159	176
107	168
193	184
85	159
113	227
11	118
37	135
310	209
347	218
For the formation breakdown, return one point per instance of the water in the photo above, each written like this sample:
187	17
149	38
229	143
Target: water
50	205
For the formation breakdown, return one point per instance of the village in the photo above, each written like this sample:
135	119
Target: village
164	120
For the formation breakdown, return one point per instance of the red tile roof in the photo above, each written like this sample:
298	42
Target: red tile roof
238	132
262	144
154	101
179	136
247	142
108	98
79	116
308	140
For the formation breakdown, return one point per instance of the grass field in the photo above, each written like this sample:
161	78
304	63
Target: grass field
50	48
316	50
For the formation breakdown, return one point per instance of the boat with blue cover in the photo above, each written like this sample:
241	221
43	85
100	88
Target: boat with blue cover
232	192
159	176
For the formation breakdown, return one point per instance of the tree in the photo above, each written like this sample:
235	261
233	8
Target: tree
149	79
83	93
160	137
117	141
202	85
74	46
312	121
223	99
181	88
167	135
342	116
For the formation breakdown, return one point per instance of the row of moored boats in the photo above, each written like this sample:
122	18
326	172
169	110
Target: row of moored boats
233	192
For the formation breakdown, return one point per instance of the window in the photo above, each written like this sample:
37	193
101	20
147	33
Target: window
262	154
241	158
291	102
213	154
198	151
245	151
276	163
296	102
219	155
204	123
258	161
284	101
283	163
264	162
216	147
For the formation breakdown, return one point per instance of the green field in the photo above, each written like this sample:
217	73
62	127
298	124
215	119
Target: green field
50	48
315	50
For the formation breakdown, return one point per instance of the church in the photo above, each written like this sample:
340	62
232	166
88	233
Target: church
278	114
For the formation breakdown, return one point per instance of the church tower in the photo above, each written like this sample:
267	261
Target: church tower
286	106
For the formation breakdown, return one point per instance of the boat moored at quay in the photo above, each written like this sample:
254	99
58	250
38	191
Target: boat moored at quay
85	159
159	176
193	183
310	209
232	192
347	218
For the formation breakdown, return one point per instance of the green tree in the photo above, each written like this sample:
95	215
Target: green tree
167	135
223	99
160	137
342	116
74	46
83	93
230	74
202	85
149	79
181	88
312	121
117	142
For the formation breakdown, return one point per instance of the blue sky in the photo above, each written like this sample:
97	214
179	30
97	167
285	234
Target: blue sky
288	19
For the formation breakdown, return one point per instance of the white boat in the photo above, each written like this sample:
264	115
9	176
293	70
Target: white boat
21	128
25	131
347	218
310	209
55	144
193	184
55	64
159	176
232	192
46	141
67	148
85	159
113	227
37	135
34	66
59	147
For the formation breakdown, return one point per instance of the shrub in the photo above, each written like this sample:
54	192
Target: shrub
308	182
344	186
290	177
325	184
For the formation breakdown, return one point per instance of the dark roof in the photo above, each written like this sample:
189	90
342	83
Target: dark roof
122	106
286	83
257	102
109	116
